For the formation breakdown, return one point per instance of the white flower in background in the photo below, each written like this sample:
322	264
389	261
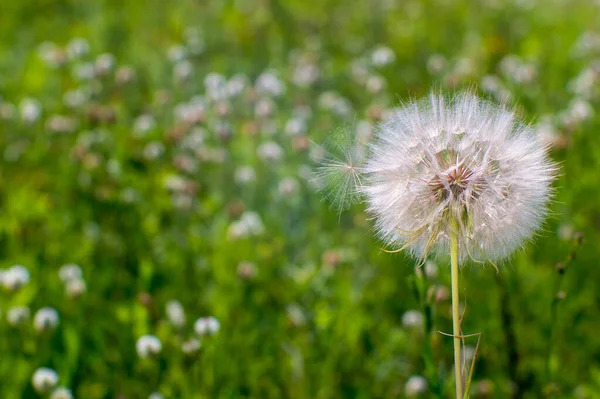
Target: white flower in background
147	346
190	346
269	84
382	56
295	126
84	71
46	319
75	288
412	319
288	187
270	151
244	175
176	53
249	224
77	48
431	269
15	277
415	386
207	326
104	64
156	395
61	393
44	380
69	271
183	70
175	313
236	85
436	64
18	315
30	110
143	124
154	150
460	163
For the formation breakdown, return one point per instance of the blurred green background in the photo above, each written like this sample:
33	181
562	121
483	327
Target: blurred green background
167	147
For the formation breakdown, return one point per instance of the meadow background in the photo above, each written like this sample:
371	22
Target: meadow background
168	148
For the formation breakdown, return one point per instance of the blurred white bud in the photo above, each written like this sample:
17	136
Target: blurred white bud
44	380
30	110
176	53
382	56
104	64
207	326
412	319
61	393
436	64
75	288
45	319
77	48
190	346
156	395
154	150
17	315
15	277
270	151
148	345
269	84
415	386
143	124
244	175
431	269
183	70
70	271
288	187
175	313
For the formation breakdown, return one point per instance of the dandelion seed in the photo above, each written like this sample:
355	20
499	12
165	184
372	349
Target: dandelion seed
341	172
44	379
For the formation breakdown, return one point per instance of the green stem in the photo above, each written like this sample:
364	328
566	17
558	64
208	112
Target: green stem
455	310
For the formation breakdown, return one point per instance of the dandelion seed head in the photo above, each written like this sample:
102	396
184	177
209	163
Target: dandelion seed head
147	346
17	315
44	379
457	159
415	386
61	393
46	319
207	326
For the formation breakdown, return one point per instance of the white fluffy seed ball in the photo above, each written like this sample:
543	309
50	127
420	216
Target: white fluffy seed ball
147	346
61	393
44	379
46	319
461	164
207	326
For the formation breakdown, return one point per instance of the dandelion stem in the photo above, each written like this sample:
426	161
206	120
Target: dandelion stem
455	308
